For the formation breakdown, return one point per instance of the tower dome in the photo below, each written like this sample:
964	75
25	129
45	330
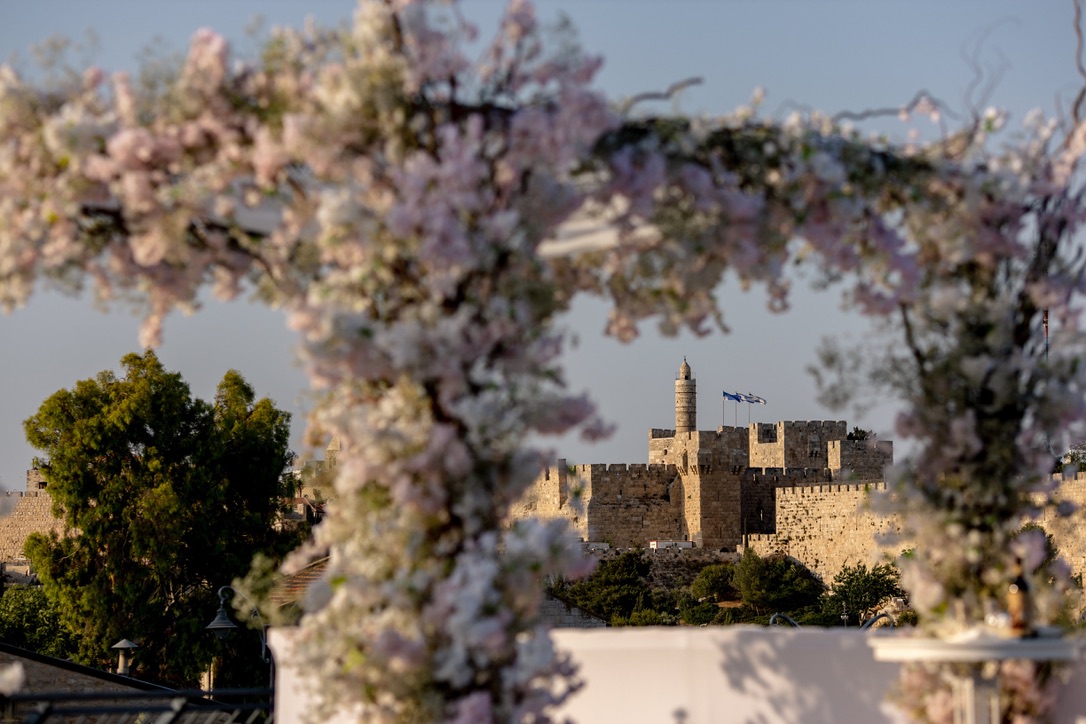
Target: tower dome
686	400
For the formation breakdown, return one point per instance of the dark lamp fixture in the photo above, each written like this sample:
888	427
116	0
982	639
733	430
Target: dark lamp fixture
222	626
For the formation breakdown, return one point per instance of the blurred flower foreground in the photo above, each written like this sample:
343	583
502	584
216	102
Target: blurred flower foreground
399	187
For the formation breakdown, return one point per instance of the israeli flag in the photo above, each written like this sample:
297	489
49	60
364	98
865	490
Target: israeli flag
734	398
755	399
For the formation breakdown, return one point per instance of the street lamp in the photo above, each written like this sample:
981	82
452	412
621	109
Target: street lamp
222	626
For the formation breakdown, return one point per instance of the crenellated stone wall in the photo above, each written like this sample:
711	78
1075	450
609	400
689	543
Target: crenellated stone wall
829	526
860	460
626	505
794	444
759	491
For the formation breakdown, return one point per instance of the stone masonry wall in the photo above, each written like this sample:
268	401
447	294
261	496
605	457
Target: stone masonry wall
860	460
794	444
1068	532
32	513
720	508
547	496
828	527
725	448
631	505
759	493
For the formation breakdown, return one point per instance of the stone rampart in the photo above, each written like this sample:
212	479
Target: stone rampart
32	513
828	526
725	447
1068	532
630	504
759	493
860	460
548	495
794	443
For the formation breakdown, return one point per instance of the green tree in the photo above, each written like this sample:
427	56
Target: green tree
616	589
859	433
775	583
164	498
714	583
29	620
858	590
1076	456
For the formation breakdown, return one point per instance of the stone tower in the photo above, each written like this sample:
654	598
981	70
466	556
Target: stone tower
331	453
686	400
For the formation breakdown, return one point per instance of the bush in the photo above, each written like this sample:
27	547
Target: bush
697	614
645	617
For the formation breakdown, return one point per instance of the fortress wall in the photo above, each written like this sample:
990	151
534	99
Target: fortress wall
729	447
34	480
860	460
32	513
766	445
670	450
759	493
616	483
806	442
547	495
720	505
631	504
828	526
1069	532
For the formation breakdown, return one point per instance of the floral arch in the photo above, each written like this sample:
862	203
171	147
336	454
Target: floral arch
403	203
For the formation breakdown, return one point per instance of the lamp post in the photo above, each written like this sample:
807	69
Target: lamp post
222	627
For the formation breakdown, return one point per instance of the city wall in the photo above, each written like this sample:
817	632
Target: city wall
794	444
627	505
32	513
829	526
860	460
1068	532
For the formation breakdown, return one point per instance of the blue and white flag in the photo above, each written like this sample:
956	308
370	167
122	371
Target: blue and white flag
755	399
733	398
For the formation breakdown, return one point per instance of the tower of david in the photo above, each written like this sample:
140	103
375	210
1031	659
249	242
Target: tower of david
714	488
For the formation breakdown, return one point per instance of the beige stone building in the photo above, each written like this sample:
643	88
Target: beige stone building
713	488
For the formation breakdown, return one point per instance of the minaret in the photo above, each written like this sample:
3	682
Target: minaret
686	400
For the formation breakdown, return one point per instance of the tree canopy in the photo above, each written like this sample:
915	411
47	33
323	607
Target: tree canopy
775	583
857	590
164	498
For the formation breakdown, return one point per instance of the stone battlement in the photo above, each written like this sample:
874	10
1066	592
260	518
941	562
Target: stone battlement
612	468
801	490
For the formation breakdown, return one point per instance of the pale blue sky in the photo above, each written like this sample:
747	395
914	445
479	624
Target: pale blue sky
818	53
